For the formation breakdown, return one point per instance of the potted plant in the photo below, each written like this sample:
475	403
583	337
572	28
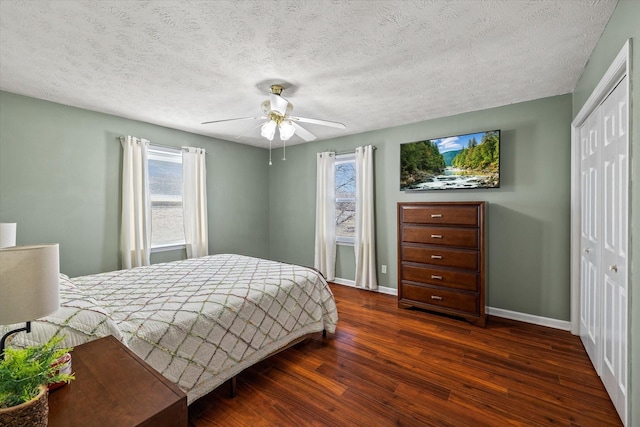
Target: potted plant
24	376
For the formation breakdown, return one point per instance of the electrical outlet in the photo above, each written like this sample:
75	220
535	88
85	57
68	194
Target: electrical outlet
384	269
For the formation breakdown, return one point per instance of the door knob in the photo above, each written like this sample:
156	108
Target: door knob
587	250
613	268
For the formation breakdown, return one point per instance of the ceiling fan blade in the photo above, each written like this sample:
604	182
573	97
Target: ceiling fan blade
318	122
303	133
235	120
242	135
278	103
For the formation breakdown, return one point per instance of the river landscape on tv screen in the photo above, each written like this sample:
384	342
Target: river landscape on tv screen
456	162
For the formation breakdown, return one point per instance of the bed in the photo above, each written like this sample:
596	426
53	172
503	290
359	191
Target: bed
199	322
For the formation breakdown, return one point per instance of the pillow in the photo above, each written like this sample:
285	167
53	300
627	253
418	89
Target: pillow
80	319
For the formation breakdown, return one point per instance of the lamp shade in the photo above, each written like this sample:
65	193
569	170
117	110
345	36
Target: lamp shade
29	282
7	234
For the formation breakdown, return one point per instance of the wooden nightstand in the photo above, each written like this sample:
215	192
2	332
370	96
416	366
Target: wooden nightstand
114	387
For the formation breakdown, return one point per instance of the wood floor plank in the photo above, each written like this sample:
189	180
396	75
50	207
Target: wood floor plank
387	366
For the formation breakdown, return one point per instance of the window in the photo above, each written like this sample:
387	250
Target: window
345	198
165	188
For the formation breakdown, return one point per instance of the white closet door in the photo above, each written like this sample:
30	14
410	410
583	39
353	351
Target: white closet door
604	231
589	238
615	160
600	233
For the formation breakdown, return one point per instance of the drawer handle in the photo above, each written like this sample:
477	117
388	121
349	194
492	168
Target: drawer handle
436	236
436	215
436	277
436	256
436	297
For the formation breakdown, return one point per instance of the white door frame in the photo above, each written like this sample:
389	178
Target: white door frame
618	68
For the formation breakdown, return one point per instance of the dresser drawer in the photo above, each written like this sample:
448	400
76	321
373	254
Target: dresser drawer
441	298
460	237
441	214
441	256
447	278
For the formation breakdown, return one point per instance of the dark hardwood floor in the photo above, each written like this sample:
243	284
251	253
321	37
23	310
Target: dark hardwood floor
388	366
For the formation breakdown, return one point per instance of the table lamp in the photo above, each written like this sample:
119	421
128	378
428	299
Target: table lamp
29	285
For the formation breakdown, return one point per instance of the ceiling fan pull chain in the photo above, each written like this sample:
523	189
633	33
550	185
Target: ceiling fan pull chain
284	149
270	153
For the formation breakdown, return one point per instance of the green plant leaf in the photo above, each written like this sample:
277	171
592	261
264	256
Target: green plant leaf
24	370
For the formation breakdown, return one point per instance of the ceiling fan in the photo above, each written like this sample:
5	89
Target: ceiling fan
277	115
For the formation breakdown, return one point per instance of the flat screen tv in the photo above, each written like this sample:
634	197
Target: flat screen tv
467	161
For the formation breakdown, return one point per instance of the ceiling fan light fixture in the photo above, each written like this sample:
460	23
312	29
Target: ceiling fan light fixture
268	130
286	130
276	113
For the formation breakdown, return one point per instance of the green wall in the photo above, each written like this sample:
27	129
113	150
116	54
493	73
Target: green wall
60	181
528	216
624	24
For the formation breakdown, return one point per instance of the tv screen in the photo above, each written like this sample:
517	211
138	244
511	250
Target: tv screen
456	162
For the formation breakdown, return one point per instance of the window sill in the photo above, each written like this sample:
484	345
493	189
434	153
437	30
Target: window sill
167	248
343	243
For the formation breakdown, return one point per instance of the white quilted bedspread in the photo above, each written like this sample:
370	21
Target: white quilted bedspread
200	321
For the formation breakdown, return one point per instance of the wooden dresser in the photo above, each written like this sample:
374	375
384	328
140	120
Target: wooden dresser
441	258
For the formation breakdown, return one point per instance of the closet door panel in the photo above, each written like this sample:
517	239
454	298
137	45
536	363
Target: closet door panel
589	239
614	161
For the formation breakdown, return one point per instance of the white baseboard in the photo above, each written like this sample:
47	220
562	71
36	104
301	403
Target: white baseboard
498	312
388	291
351	283
344	282
530	318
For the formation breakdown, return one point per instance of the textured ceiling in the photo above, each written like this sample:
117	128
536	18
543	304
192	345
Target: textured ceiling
369	64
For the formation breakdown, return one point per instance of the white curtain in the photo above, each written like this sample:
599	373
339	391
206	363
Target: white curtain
135	237
194	201
365	239
325	249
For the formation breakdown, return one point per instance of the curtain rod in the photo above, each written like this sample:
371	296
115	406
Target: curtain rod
165	146
347	152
